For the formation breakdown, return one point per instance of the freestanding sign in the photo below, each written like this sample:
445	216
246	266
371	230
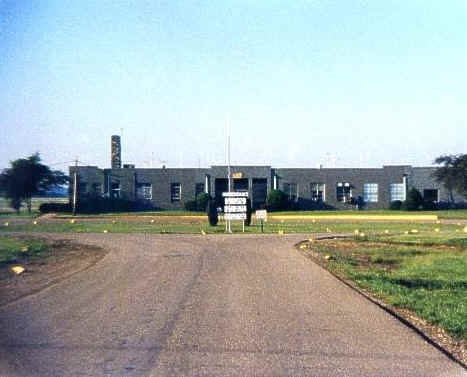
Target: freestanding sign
261	215
235	207
235	216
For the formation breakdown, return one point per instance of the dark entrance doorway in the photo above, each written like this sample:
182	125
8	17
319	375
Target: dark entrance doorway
240	184
260	192
220	185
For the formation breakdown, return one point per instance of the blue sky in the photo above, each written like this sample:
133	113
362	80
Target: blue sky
301	83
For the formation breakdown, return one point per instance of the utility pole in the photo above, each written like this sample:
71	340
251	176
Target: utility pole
229	175
75	186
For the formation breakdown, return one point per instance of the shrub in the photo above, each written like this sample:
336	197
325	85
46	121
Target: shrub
414	201
249	210
202	201
429	206
358	202
396	205
98	205
54	207
191	205
276	201
199	204
212	213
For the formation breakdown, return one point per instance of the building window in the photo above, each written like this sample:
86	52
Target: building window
176	192
370	192
317	192
397	191
199	189
144	191
343	192
430	195
115	192
290	190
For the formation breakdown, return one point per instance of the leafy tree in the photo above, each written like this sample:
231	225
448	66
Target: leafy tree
249	212
414	200
276	201
452	174
28	177
202	201
212	213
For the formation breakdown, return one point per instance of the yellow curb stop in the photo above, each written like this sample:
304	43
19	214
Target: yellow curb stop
18	270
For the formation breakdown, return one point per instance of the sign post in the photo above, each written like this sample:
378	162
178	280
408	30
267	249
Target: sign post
235	207
261	215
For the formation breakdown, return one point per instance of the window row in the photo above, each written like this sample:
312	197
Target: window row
144	191
344	192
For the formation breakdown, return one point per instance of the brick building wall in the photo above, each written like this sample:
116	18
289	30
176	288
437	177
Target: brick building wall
160	185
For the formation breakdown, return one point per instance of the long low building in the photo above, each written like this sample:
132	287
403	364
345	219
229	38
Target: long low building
308	188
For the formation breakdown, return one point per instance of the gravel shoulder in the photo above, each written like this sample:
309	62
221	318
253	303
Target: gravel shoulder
64	259
457	349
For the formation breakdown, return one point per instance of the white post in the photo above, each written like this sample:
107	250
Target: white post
275	182
229	176
404	182
75	187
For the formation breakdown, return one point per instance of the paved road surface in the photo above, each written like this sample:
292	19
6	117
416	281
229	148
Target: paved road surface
207	306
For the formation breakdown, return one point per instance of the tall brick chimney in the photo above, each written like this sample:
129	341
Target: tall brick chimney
116	152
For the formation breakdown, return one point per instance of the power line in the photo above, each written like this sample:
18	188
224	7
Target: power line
68	162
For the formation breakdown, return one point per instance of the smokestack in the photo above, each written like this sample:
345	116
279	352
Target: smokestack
116	152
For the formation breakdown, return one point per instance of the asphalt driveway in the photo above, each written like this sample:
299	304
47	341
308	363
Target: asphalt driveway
188	305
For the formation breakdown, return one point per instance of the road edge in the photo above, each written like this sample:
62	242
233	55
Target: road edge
312	256
55	282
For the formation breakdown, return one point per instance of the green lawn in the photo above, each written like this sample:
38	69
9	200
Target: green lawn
6	210
442	214
133	214
424	273
12	249
174	224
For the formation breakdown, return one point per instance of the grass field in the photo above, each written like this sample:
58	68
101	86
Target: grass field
6	210
425	273
12	249
177	224
442	214
304	215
